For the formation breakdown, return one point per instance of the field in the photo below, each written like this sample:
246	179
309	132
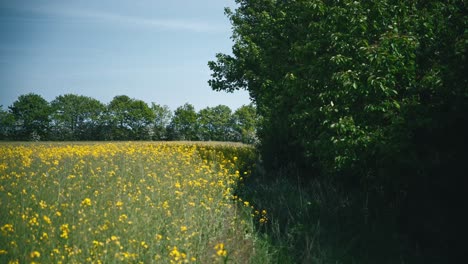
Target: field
127	203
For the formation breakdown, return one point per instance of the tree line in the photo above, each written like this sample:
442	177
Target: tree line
367	97
77	117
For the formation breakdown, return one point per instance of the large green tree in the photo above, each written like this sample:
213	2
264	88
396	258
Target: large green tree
76	117
163	116
31	114
214	123
183	125
130	119
6	124
371	94
244	122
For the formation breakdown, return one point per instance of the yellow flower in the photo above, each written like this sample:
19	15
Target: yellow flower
7	228
86	202
44	236
65	230
175	253
177	184
3	252
33	221
144	245
43	204
220	250
47	219
122	218
183	228
35	254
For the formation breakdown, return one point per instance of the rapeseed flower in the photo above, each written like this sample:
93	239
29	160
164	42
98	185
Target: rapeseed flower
220	250
86	202
35	254
65	230
63	193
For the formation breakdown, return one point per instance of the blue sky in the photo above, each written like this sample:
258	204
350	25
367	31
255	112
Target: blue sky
152	50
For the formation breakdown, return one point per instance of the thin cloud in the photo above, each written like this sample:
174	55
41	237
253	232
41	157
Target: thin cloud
130	21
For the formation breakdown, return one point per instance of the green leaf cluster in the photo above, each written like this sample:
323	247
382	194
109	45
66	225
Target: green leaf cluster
369	94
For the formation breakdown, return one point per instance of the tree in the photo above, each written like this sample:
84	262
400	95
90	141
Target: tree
76	117
130	118
368	94
244	122
6	124
215	123
31	114
163	116
184	123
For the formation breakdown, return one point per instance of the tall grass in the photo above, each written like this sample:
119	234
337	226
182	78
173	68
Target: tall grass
312	221
127	202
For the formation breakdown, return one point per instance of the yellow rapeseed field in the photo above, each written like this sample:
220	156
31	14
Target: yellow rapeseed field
125	203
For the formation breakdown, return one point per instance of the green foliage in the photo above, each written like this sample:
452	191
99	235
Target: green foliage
31	115
163	116
183	124
130	118
244	121
369	95
6	124
76	116
214	123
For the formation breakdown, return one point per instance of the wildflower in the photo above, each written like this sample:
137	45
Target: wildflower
119	204
122	218
33	221
220	250
44	236
35	254
7	228
43	204
3	252
177	185
47	219
183	228
144	245
65	230
86	202
175	253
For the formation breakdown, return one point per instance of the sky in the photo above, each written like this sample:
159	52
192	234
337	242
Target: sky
152	50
